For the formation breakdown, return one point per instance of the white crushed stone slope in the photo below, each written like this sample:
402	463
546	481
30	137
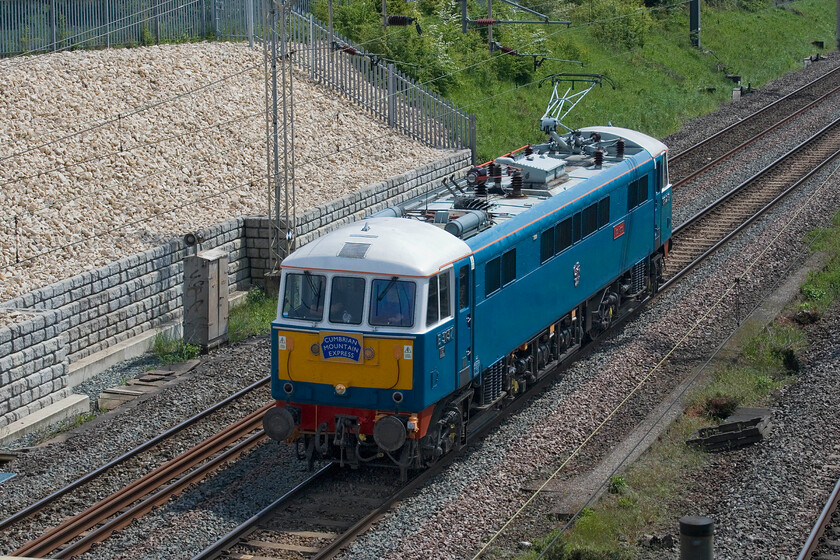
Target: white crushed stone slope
68	179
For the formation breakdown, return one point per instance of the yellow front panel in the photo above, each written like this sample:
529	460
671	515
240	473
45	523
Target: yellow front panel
352	359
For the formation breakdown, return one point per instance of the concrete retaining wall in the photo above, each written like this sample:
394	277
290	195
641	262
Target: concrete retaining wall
72	319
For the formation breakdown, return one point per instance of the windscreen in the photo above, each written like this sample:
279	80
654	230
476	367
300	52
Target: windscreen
392	303
303	297
347	300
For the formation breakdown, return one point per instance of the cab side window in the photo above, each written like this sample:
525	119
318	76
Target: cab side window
438	304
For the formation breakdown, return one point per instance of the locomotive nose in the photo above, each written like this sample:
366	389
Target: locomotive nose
279	423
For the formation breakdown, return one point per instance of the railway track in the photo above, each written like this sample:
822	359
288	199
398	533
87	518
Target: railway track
697	159
138	497
723	219
824	541
301	522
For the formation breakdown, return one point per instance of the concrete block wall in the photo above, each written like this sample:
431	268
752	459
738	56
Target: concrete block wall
33	364
93	311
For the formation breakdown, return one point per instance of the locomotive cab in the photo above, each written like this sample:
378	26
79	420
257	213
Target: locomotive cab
353	341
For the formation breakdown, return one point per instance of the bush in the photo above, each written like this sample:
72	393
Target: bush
621	23
617	484
169	350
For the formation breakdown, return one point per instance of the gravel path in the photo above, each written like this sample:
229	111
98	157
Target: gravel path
453	516
119	136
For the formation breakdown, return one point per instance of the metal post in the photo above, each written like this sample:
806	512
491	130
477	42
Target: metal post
694	22
464	15
249	19
108	23
157	23
472	138
312	57
392	100
384	16
838	25
490	27
697	540
54	31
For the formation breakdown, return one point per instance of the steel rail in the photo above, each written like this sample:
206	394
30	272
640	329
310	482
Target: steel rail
717	204
47	500
126	517
750	119
476	430
123	498
753	139
230	539
813	541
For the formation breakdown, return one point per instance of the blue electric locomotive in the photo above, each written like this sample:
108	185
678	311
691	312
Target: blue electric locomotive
392	333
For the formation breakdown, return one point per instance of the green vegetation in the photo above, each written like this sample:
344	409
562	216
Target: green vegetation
822	288
254	317
662	81
64	426
170	350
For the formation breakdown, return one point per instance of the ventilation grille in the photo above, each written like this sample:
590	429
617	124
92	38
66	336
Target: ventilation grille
354	250
492	382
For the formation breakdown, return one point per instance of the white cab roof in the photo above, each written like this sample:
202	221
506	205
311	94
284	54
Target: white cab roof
388	246
653	146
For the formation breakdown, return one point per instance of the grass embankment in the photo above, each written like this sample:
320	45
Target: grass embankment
661	80
660	85
645	499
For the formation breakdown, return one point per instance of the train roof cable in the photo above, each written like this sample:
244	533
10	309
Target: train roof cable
697	324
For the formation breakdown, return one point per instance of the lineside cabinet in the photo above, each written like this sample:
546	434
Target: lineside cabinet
206	298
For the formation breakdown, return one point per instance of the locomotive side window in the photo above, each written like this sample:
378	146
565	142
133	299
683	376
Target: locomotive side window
547	245
444	289
576	228
303	297
508	267
604	212
643	188
662	170
392	303
637	192
464	287
438	305
564	235
432	302
492	276
590	219
347	300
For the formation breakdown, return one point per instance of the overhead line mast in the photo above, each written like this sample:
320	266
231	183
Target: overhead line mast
281	182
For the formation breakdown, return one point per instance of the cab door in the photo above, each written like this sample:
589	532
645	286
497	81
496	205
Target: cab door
463	323
663	200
